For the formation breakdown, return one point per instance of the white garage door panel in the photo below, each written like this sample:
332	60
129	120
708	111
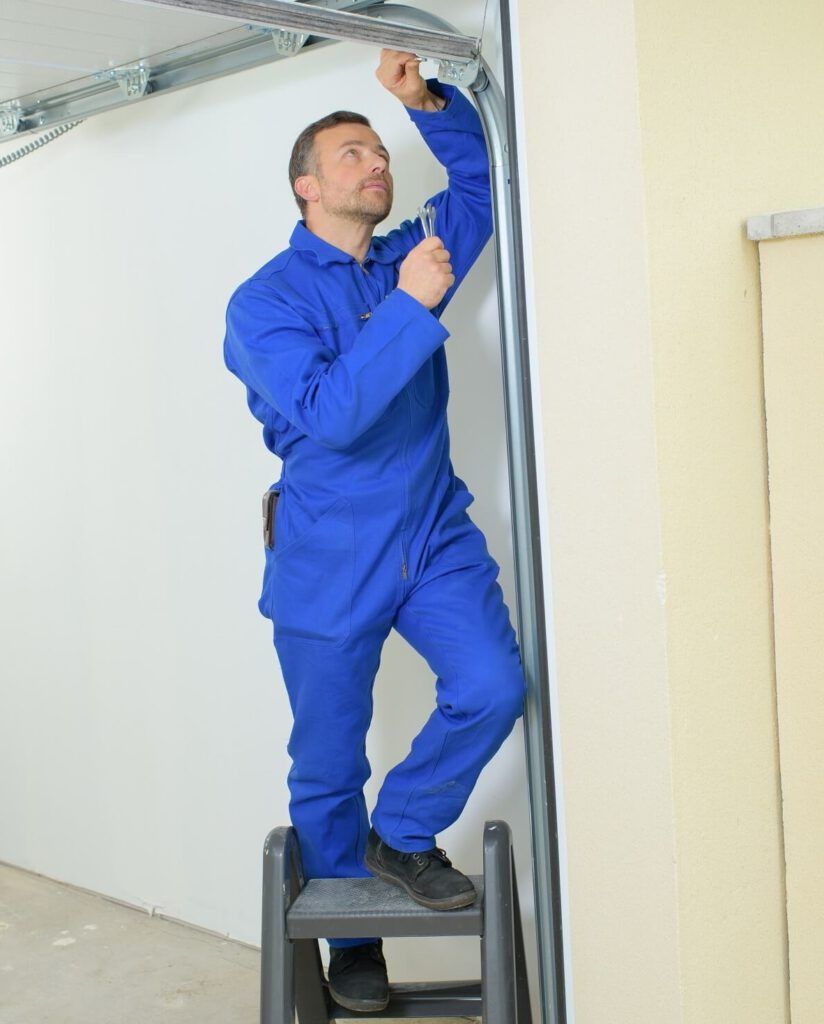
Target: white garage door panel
118	18
45	44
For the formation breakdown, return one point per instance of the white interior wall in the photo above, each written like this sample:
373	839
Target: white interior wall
142	742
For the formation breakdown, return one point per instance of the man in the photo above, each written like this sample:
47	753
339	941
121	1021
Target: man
339	343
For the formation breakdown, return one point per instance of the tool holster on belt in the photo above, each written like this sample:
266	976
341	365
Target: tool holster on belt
270	500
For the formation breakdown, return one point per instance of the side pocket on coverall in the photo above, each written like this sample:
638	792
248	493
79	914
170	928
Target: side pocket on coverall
263	600
311	583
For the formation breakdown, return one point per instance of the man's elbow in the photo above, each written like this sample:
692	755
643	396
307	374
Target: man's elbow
337	440
334	417
337	431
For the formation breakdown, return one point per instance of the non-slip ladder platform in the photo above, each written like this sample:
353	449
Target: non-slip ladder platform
363	907
296	913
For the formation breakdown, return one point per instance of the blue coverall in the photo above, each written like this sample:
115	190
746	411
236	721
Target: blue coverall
348	375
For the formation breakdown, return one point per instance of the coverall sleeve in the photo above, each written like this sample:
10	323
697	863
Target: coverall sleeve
463	218
330	398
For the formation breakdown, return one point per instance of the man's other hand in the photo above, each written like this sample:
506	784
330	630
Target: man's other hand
399	72
426	273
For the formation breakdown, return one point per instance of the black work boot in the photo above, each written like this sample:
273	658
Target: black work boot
357	976
428	877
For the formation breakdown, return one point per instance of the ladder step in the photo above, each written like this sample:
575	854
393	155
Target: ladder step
363	907
418	1000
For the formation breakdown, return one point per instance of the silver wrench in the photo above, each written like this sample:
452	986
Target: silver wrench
427	217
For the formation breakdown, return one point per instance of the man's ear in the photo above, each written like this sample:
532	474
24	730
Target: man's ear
306	187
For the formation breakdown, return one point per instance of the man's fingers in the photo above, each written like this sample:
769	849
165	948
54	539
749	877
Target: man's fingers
434	246
394	66
402	55
397	60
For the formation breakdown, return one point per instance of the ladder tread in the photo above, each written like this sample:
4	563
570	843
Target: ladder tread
354	907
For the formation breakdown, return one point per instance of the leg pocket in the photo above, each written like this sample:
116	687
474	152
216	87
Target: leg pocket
312	579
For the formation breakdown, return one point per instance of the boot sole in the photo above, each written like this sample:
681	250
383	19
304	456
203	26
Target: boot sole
363	1005
462	899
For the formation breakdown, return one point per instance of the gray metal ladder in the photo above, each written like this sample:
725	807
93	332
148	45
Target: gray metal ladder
297	912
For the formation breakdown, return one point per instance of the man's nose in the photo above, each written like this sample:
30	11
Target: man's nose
378	164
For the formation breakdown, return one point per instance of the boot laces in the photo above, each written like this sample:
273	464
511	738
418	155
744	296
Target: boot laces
424	858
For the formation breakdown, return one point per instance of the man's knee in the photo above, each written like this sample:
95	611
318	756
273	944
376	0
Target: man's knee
496	692
509	698
323	772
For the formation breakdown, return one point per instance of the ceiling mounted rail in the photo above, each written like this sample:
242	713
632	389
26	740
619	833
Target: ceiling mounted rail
269	30
238	49
426	42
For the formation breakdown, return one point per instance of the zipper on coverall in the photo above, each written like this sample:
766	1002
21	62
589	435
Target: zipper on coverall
365	316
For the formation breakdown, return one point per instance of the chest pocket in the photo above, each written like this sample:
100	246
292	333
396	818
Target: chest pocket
339	328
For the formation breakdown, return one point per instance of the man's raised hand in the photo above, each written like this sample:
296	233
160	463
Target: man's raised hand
426	273
399	72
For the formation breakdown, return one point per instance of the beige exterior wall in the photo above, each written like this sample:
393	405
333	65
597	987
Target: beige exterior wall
653	130
727	125
596	379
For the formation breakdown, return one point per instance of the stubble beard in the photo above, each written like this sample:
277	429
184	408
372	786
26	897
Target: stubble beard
362	208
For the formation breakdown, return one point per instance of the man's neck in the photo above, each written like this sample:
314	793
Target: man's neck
346	235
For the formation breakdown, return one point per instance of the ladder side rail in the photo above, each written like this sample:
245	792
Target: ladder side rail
282	880
500	1004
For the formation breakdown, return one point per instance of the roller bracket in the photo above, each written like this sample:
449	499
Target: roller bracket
458	72
10	117
133	81
287	44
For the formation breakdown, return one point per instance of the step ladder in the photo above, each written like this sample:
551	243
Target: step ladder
297	912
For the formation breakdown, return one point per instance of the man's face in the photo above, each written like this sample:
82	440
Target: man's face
352	172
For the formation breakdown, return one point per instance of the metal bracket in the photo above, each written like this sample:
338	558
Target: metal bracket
133	82
458	72
10	117
287	44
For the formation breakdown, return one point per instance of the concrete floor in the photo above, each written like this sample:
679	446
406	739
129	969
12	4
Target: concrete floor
71	957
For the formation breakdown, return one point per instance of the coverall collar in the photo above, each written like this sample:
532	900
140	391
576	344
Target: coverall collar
307	241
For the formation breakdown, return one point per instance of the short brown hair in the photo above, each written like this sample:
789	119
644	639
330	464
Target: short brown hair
302	160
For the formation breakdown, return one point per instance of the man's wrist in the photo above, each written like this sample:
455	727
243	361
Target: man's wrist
429	102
